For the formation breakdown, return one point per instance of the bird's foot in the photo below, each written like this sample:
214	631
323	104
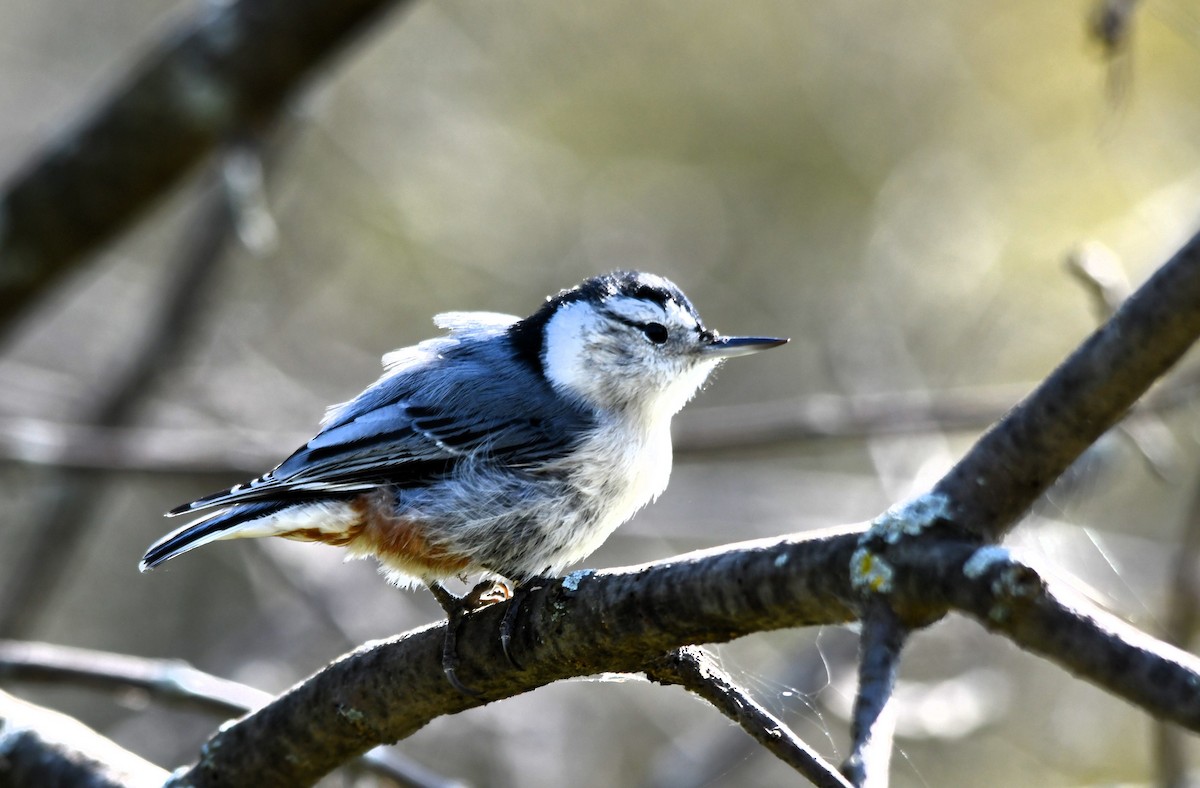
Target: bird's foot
483	594
508	624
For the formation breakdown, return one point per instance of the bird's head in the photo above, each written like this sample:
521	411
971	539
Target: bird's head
627	341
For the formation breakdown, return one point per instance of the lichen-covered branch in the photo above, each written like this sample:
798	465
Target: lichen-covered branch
623	620
1010	597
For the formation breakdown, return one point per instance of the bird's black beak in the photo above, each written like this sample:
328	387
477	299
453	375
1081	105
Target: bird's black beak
728	347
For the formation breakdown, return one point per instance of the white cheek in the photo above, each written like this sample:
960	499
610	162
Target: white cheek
567	369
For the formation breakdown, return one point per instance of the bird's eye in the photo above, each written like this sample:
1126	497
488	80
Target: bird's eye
655	332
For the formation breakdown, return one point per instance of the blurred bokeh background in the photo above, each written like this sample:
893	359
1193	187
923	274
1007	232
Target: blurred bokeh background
896	185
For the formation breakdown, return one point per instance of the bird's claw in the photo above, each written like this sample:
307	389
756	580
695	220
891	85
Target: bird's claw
488	592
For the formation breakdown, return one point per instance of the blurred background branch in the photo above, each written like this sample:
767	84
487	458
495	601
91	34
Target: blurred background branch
233	453
172	682
71	496
228	70
42	747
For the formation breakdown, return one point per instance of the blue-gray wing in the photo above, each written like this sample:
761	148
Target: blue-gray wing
453	401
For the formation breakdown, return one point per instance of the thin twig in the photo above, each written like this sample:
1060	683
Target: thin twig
873	723
694	669
710	760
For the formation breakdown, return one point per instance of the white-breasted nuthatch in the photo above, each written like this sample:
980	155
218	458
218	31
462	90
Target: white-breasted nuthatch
509	447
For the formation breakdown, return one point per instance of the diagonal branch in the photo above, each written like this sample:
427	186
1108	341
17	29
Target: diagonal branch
694	669
587	623
1011	598
1019	458
622	620
229	69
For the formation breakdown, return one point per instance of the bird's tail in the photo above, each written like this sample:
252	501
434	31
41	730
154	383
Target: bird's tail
220	524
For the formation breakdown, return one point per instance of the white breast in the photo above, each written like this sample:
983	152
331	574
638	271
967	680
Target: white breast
620	470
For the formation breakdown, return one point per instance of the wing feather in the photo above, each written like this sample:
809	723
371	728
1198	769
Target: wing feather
455	397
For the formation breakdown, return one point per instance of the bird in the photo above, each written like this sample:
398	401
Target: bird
508	448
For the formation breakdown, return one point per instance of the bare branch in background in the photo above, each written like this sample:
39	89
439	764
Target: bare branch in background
1111	24
229	69
240	452
171	680
1182	619
174	682
43	747
71	496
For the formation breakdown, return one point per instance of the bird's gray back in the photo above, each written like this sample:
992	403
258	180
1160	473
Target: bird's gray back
458	397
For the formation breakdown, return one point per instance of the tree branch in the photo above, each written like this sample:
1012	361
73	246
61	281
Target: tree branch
173	680
589	622
621	620
609	621
695	670
43	747
1019	458
873	721
179	683
229	69
1011	598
